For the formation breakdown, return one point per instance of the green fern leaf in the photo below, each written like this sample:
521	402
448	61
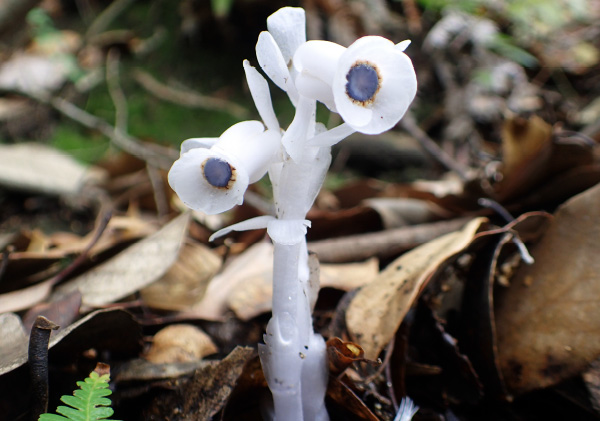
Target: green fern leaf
88	403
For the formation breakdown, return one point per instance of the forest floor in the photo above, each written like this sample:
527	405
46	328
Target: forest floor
458	252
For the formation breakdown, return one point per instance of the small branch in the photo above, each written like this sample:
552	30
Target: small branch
408	123
187	98
156	155
382	244
101	225
38	364
158	187
115	91
107	16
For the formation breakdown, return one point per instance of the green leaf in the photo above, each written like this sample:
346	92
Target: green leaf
88	403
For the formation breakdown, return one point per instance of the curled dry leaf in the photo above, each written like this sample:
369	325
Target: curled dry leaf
186	282
180	343
548	320
342	354
134	268
376	311
209	389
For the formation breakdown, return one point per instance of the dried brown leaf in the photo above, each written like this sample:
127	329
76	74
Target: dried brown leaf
211	386
134	268
548	321
186	281
377	310
180	343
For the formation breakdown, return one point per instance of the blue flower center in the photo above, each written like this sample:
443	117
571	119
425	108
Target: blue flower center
363	82
217	172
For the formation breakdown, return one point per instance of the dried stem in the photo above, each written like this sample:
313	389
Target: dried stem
187	98
408	123
156	155
107	16
381	244
38	364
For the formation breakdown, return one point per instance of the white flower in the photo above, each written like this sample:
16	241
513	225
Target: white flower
370	84
212	175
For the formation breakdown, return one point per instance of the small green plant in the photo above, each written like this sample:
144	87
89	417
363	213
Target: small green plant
88	403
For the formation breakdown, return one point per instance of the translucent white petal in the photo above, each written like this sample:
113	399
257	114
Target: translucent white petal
287	231
294	139
288	27
259	89
333	136
251	146
397	85
319	59
407	410
198	142
259	222
186	178
238	135
274	65
312	87
403	45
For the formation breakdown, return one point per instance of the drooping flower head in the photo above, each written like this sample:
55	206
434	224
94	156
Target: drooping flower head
212	175
370	84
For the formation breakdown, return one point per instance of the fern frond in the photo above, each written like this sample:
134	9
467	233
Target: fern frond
88	403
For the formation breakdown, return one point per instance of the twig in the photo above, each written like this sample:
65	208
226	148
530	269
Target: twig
102	223
115	91
158	187
159	156
121	118
187	98
408	123
107	16
383	243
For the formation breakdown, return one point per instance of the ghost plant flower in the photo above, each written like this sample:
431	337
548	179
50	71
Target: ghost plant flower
212	175
370	84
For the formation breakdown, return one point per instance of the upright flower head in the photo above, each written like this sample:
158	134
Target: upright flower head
212	175
370	84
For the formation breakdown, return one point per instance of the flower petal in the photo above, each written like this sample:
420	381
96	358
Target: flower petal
259	89
332	136
259	222
312	87
319	59
198	142
251	145
274	65
288	27
403	45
